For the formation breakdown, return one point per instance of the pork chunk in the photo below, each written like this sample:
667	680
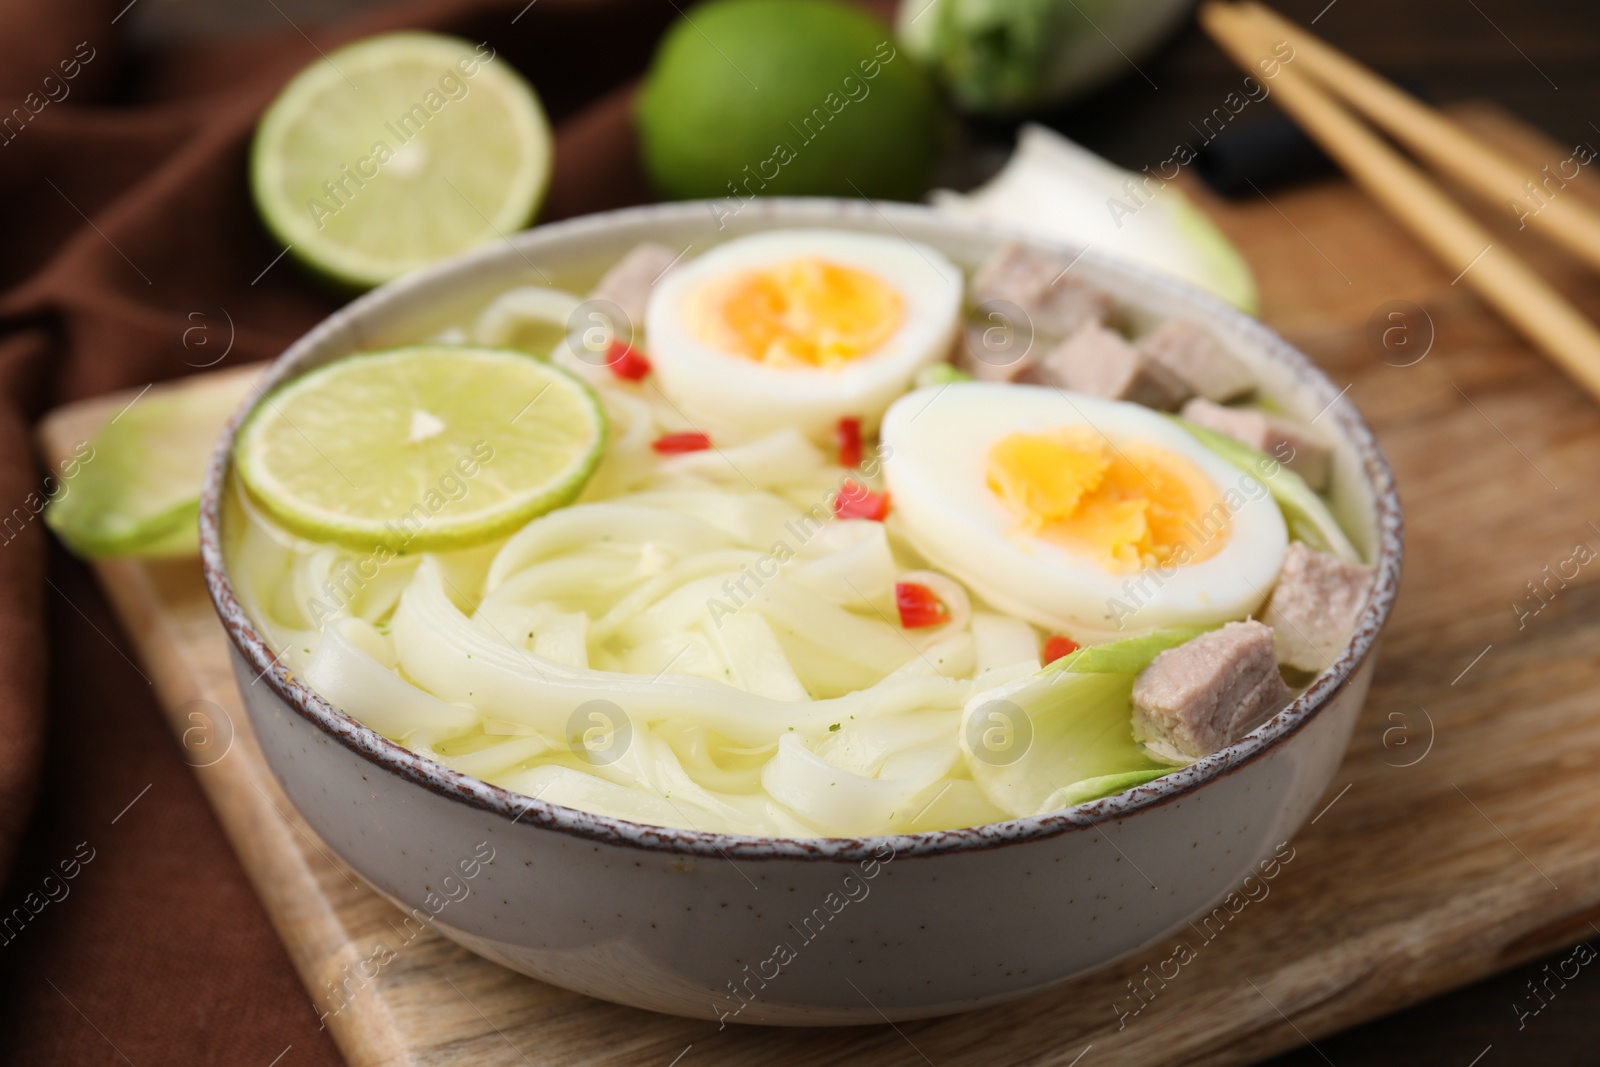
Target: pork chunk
1296	447
1314	606
1056	304
629	281
1098	361
1208	692
1190	352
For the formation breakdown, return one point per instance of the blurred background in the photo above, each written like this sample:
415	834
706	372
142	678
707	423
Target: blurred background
1536	59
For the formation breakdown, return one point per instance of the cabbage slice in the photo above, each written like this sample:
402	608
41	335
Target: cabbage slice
1104	786
1126	657
1072	729
1072	722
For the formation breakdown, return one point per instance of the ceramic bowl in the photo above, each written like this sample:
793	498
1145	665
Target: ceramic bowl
804	931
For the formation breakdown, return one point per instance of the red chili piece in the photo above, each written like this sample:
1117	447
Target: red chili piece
627	362
849	442
674	443
919	606
1059	646
856	501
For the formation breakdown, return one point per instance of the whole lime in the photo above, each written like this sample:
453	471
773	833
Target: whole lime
786	97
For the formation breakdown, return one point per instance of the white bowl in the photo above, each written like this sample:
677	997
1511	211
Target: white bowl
805	931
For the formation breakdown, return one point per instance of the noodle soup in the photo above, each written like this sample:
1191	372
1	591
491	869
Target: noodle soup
851	558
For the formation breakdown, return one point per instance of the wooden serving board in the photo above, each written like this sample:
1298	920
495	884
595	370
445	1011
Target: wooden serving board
1457	840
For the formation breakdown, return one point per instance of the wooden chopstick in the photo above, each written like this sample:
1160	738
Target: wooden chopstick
1504	282
1444	145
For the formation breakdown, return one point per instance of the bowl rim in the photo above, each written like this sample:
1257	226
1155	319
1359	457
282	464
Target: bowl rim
517	808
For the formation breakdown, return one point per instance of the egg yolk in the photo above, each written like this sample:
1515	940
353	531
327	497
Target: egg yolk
805	312
1129	506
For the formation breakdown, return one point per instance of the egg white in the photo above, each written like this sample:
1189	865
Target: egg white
736	399
938	442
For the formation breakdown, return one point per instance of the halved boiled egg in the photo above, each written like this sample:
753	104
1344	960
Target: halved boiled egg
1090	516
800	328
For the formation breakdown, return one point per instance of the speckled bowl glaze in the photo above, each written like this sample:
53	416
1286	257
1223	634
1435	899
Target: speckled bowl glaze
789	931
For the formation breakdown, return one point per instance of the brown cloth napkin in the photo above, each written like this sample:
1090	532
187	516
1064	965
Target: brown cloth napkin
123	210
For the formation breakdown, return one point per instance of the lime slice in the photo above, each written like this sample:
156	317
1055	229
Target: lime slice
397	151
421	449
136	489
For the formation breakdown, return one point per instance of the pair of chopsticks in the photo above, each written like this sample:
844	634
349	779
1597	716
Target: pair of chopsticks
1314	88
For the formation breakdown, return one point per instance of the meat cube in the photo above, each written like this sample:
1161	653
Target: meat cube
1314	606
629	281
1296	447
1208	692
1098	361
1056	305
1189	351
995	356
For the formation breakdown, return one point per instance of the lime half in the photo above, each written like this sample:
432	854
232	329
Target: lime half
134	488
397	151
421	449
